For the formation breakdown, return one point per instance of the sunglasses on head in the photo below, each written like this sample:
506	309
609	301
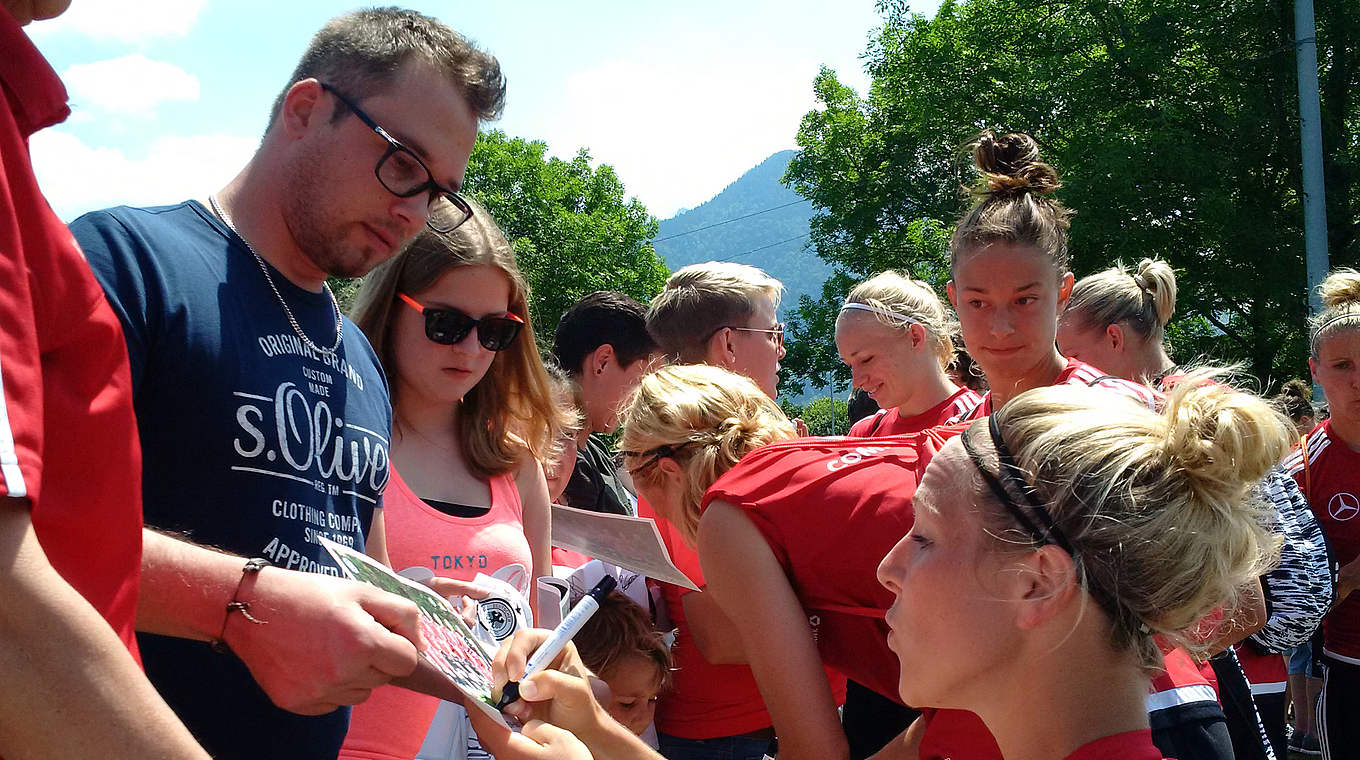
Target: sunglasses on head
450	326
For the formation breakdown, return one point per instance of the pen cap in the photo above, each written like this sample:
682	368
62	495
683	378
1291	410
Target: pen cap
602	589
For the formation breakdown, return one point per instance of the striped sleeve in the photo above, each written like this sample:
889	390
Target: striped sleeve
1094	378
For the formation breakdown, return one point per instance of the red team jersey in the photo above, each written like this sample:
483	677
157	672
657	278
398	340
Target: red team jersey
830	509
1328	472
706	701
1076	373
889	422
1130	745
68	436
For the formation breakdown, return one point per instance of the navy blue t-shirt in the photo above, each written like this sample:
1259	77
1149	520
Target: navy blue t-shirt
251	441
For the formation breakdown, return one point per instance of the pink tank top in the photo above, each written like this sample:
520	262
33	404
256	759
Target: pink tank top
393	722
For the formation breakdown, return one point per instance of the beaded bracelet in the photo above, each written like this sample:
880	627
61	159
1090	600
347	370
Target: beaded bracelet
252	567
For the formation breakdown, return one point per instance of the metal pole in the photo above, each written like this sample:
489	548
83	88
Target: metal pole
1310	137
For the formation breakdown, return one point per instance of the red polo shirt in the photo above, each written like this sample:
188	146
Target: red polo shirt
68	437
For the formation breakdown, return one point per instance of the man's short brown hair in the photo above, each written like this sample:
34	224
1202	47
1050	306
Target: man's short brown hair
362	51
701	299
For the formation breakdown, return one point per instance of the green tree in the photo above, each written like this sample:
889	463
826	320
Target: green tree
823	416
574	231
1173	123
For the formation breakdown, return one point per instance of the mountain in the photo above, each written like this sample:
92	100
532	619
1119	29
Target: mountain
755	220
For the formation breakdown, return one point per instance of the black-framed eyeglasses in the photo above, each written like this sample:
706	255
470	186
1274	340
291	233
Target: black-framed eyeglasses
656	454
777	331
448	327
404	174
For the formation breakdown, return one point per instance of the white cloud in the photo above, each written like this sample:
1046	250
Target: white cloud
77	177
130	84
124	20
678	132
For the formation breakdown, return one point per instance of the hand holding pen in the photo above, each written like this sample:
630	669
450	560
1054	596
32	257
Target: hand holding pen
550	649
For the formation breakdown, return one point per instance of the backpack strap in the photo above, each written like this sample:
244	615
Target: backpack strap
878	420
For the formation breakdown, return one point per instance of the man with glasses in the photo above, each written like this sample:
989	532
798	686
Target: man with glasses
721	313
264	415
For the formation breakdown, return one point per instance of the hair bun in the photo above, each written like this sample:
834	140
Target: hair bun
1221	440
733	433
1158	280
1341	287
1010	165
1297	388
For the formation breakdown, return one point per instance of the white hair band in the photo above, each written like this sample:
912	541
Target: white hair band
883	312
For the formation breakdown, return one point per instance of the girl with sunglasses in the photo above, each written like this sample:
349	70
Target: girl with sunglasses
474	416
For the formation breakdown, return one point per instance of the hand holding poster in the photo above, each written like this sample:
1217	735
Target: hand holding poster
450	646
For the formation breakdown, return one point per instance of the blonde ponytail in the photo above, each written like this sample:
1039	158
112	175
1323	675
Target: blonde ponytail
1142	300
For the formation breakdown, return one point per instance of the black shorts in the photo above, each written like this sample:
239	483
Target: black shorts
1338	726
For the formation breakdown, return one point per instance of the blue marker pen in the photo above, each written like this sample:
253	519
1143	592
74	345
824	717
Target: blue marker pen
563	633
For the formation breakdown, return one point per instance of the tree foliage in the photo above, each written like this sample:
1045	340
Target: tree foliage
823	416
1173	123
573	230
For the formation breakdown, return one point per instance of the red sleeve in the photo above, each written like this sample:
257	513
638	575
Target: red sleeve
865	426
20	363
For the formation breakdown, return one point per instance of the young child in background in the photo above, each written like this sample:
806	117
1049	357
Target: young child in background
622	647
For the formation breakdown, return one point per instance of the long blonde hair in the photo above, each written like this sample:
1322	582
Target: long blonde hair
1159	509
512	410
709	417
897	301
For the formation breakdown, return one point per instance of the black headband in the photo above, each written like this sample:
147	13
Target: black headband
1047	531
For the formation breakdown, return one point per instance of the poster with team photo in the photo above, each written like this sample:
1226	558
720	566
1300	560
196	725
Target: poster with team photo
451	646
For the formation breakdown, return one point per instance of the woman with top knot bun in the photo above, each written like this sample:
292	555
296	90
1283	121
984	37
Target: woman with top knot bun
1116	320
1009	285
1009	277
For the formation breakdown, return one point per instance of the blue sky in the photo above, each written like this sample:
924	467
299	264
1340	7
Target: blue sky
170	96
